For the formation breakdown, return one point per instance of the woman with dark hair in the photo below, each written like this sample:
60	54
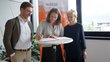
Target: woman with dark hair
51	28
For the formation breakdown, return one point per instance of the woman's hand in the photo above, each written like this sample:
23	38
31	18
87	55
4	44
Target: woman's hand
85	55
52	36
38	37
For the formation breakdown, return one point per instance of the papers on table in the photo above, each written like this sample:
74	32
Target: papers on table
47	39
55	41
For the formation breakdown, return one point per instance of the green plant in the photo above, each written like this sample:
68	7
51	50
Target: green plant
2	53
35	49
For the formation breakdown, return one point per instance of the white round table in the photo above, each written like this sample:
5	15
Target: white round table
54	42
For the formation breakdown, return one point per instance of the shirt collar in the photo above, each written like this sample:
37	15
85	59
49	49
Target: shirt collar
21	19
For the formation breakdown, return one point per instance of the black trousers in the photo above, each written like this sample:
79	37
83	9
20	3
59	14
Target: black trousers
50	54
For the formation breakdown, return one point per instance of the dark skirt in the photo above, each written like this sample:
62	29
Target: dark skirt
74	54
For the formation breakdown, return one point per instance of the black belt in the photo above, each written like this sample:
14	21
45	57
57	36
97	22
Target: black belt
22	49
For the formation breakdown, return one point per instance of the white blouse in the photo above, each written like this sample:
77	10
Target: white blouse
46	28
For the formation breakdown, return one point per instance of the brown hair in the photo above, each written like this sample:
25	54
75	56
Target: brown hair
25	5
58	21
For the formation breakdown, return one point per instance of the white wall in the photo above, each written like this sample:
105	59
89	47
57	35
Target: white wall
98	50
35	15
8	10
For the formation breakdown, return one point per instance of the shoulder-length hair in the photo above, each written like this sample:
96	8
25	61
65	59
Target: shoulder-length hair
55	10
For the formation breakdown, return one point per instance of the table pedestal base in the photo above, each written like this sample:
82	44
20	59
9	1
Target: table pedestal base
54	53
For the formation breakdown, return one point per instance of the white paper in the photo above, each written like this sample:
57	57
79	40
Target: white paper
48	39
55	41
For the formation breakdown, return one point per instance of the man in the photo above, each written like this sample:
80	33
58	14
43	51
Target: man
18	35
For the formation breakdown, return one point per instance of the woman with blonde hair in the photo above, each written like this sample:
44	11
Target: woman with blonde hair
76	50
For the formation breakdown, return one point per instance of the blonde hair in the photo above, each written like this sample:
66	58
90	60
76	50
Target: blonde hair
72	12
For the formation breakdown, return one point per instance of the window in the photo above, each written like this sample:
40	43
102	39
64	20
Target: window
96	18
96	15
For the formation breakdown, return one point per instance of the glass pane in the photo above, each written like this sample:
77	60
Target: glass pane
96	15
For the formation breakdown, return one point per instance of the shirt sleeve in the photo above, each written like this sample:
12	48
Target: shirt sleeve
39	29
